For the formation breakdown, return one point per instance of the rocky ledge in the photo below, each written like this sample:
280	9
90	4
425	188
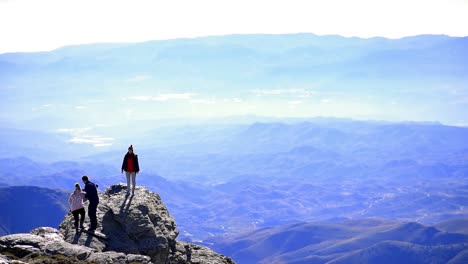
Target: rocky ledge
131	229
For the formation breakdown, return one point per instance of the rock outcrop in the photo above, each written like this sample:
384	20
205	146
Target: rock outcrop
131	229
47	245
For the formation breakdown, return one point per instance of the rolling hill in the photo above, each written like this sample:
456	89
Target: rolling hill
353	241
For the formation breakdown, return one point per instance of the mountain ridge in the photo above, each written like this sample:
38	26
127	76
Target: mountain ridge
43	205
105	45
242	70
352	241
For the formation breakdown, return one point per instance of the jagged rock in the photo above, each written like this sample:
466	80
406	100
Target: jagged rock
49	233
20	245
135	224
6	260
116	257
131	229
48	242
198	254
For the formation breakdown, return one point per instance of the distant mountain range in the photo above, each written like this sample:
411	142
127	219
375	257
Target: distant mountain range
102	86
278	148
356	241
27	207
61	175
219	179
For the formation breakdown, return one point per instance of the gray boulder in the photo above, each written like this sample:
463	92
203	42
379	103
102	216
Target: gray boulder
198	254
46	245
134	224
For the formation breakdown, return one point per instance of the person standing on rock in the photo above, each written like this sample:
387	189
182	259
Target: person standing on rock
131	167
76	205
188	253
92	196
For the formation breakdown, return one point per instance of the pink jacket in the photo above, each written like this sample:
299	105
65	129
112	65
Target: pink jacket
76	200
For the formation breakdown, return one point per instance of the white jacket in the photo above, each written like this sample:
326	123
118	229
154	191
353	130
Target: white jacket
76	200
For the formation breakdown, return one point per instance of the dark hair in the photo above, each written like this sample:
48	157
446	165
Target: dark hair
85	178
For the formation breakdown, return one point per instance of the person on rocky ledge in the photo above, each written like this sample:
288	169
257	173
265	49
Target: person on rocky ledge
92	196
76	206
131	167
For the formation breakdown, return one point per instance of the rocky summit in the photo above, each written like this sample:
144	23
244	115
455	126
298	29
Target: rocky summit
131	229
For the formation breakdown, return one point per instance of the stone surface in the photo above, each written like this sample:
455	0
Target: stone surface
48	244
116	257
7	260
131	229
198	254
133	224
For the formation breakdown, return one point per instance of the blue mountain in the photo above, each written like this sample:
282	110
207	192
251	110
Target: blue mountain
27	207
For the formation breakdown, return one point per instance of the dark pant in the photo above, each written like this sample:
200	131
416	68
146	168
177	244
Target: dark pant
79	212
92	207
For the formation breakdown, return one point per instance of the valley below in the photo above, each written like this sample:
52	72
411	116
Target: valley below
236	191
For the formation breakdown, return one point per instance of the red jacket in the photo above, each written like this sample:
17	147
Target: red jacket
136	166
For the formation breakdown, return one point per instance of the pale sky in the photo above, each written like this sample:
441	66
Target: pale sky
36	25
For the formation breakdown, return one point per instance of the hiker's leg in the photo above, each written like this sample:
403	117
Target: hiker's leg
75	216
82	216
127	174
133	180
92	215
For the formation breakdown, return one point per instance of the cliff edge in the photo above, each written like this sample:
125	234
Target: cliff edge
131	229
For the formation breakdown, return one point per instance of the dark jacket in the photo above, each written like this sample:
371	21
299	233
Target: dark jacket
136	166
91	192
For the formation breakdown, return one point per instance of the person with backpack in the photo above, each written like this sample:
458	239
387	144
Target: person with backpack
131	167
76	206
92	195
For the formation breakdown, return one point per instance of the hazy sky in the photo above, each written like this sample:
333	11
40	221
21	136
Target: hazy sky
47	24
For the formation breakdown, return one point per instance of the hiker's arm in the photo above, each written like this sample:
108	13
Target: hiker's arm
137	166
86	189
123	164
